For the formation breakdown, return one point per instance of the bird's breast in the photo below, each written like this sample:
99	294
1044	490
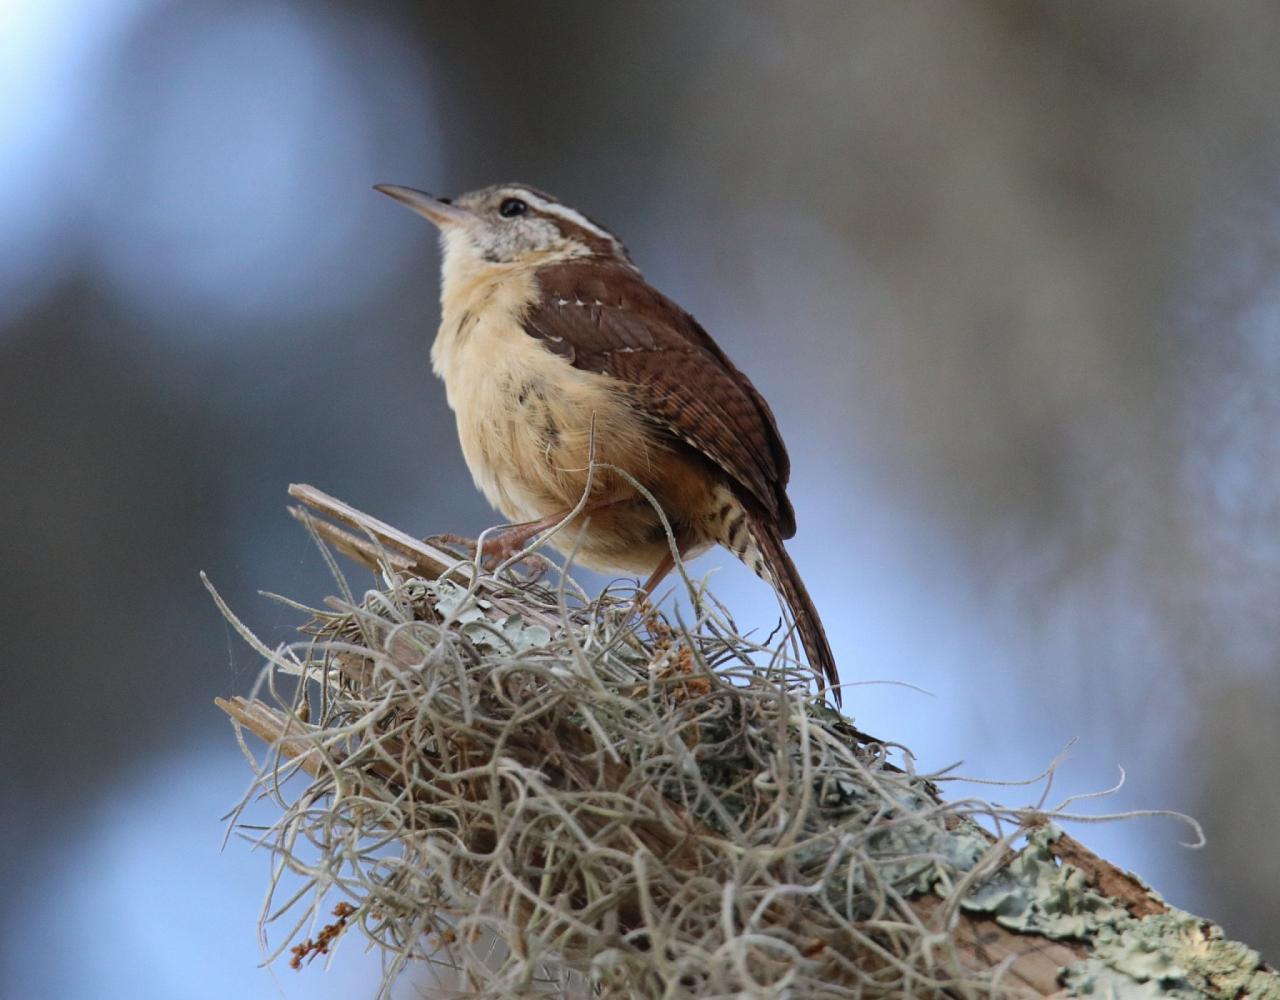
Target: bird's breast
529	422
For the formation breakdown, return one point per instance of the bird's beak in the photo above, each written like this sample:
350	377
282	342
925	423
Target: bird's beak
437	210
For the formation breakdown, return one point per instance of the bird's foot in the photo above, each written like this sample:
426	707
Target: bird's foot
503	543
456	545
497	549
509	542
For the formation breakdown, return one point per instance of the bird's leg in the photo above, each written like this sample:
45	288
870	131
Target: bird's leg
665	565
511	538
685	542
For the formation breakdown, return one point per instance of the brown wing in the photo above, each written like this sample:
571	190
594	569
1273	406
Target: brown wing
605	318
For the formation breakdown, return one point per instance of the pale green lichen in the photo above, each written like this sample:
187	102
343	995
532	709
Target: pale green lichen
898	851
1035	894
1169	954
510	634
1228	968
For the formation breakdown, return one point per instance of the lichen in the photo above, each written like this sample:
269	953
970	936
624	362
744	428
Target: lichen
1173	954
1035	894
504	635
1168	954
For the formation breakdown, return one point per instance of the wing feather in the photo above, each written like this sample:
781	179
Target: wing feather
604	317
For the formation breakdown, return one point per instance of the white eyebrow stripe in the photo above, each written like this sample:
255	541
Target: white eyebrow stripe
566	213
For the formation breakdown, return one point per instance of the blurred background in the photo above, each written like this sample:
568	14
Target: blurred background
1008	273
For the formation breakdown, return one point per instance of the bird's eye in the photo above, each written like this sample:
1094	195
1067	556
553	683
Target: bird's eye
511	207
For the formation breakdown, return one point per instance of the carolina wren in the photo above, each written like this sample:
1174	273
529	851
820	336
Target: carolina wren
553	348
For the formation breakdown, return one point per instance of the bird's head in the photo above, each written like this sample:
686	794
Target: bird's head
509	224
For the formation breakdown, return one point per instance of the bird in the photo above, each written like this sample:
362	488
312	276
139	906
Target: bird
562	364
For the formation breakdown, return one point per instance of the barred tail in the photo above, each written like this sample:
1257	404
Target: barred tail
778	569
